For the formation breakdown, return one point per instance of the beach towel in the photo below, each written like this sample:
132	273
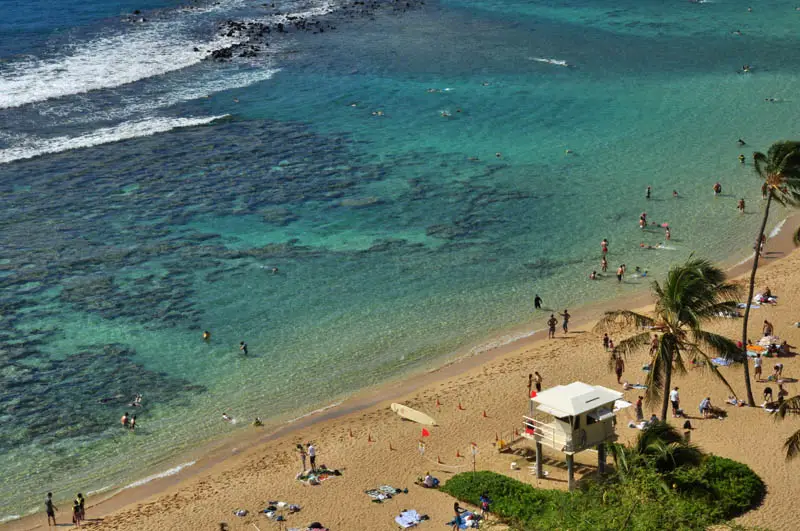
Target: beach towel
637	386
638	425
386	489
408	518
376	495
721	362
752	306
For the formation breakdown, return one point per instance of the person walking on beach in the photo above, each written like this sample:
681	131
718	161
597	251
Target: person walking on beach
530	384
537	302
705	407
302	451
82	503
243	347
605	342
565	323
757	361
619	367
50	508
654	344
610	344
312	457
639	410
603	264
675	400
551	326
76	513
537	381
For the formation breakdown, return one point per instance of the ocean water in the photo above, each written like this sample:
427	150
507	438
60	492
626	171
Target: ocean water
417	173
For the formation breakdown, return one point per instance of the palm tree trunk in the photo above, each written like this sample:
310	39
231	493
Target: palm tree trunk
749	301
667	382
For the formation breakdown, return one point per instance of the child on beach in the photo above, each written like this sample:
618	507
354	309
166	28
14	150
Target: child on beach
537	380
605	342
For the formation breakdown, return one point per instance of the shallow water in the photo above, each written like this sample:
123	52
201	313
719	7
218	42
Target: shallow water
399	238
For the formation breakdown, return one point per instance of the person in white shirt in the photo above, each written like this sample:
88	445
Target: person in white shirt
312	457
675	399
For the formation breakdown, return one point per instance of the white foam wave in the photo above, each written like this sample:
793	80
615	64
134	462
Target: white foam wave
777	229
557	62
501	342
166	473
316	411
33	147
4	519
146	50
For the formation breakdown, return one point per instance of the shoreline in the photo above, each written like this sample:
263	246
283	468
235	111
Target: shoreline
215	454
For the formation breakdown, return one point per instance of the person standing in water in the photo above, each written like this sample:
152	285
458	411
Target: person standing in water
132	423
620	272
50	508
565	323
124	420
551	326
243	347
604	246
717	188
537	302
740	206
647	193
603	264
206	336
667	233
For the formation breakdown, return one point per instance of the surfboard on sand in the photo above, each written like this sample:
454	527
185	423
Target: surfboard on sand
413	415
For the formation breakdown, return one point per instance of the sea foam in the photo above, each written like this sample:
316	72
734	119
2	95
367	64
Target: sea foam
33	147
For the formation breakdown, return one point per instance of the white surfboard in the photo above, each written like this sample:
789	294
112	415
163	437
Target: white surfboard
413	415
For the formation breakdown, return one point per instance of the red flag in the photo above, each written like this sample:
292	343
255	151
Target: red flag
425	433
533	394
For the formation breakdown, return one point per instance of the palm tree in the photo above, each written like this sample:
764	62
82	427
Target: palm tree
659	445
779	170
792	444
694	293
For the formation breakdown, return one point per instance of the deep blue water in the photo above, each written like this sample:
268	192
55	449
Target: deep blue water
416	175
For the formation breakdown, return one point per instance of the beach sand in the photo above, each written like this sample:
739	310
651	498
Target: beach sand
491	390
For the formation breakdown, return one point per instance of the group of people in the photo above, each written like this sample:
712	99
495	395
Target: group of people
308	451
552	322
78	509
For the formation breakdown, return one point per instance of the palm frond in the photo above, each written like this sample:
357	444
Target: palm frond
706	365
621	319
628	346
719	345
790	406
792	445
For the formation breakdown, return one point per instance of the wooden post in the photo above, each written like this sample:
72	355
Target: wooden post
601	458
571	471
539	471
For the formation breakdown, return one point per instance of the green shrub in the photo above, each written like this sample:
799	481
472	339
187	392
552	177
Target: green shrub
689	498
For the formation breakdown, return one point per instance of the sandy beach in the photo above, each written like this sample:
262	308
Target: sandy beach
476	401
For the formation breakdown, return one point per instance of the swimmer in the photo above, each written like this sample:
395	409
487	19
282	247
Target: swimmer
675	194
206	335
567	151
354	105
444	114
377	113
498	155
717	188
258	422
235	100
226	418
741	142
741	158
593	276
274	270
243	347
740	206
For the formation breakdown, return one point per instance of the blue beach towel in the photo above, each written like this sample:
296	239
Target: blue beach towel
721	362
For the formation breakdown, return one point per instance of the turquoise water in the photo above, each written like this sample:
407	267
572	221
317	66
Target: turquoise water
399	238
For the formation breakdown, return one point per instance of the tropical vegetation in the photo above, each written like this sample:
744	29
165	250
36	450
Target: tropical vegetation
693	294
665	483
779	171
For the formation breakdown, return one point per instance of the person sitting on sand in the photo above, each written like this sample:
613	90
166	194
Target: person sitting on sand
785	349
768	328
653	419
430	482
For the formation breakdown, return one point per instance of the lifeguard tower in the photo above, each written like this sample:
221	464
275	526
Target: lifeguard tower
575	417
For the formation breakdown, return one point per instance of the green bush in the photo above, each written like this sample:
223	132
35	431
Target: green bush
690	498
